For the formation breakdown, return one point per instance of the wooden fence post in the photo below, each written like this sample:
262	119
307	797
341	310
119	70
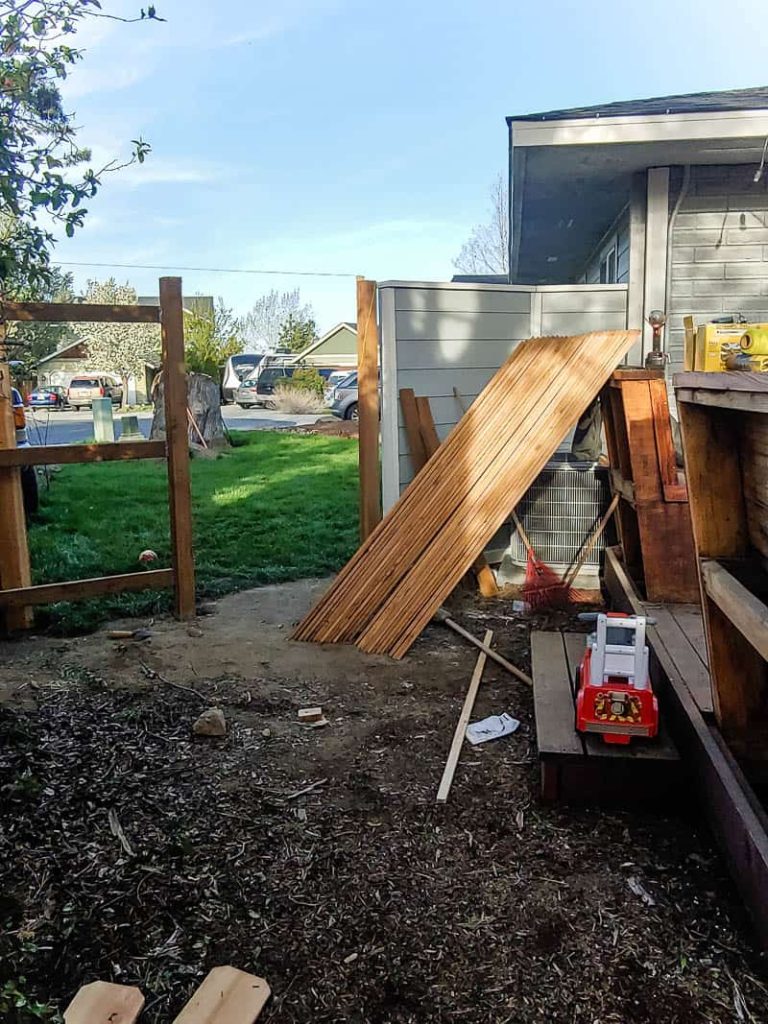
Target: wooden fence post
368	406
14	550
177	441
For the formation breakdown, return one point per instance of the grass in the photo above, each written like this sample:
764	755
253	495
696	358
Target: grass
275	507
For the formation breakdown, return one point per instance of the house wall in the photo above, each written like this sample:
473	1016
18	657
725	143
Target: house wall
719	251
435	337
339	350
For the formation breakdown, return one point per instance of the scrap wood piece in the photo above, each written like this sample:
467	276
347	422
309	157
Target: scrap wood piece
102	1002
461	726
391	588
226	996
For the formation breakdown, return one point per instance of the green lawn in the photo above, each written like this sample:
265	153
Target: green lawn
275	507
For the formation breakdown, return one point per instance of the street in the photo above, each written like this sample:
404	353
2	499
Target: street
69	427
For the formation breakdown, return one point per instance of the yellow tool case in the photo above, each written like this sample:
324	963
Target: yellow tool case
708	346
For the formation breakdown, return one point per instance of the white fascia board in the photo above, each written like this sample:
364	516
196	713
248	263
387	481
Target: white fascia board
732	124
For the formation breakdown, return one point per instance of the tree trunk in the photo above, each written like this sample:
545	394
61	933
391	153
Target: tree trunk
203	401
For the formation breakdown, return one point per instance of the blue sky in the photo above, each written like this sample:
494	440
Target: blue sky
348	137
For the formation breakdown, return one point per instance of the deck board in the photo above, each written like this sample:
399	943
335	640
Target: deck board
683	648
552	697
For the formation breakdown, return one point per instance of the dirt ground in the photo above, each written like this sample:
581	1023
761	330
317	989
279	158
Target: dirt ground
133	851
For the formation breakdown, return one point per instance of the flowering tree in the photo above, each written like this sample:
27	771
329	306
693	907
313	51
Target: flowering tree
122	349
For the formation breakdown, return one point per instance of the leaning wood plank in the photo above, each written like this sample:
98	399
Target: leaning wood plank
101	1002
227	996
486	580
461	726
548	403
412	430
743	610
430	538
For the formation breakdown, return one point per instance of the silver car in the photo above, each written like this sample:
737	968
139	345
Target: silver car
344	401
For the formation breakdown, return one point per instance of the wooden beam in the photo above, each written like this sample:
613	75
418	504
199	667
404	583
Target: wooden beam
743	610
741	401
14	550
411	420
176	432
72	454
76	590
80	312
689	350
461	726
368	406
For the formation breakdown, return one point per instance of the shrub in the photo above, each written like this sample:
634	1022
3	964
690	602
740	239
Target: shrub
299	401
308	379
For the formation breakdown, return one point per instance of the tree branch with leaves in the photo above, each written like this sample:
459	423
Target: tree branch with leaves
44	177
486	251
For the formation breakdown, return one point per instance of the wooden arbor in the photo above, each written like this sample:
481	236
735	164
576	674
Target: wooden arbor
653	518
724	418
17	595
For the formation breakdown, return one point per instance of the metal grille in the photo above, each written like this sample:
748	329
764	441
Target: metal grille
558	513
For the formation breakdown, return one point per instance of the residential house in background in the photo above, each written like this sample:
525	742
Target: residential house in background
72	359
337	348
666	196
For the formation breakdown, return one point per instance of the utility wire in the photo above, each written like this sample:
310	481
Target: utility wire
205	270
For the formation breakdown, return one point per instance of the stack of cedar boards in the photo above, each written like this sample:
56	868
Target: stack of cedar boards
391	588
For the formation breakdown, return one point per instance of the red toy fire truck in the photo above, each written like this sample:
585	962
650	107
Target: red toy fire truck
615	696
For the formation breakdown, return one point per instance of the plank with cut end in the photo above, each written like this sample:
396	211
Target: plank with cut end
553	697
226	996
80	312
102	1002
461	726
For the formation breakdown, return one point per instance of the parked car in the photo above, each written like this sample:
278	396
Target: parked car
28	474
83	390
246	396
344	401
268	380
52	396
333	379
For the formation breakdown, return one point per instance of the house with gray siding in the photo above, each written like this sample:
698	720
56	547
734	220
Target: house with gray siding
666	195
615	210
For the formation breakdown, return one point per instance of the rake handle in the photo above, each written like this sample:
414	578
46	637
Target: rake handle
570	574
523	535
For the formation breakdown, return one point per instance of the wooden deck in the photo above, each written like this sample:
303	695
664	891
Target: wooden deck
579	767
679	627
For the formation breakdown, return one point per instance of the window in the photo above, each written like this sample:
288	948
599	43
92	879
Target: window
608	267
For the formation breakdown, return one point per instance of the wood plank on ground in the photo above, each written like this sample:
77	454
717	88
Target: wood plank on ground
553	697
226	996
689	619
102	1002
681	648
461	726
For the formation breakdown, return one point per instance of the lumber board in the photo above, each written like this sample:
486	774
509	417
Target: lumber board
461	726
430	441
688	618
754	472
743	610
76	590
102	1002
390	589
80	312
226	996
662	429
368	406
542	418
553	698
413	431
71	454
177	434
725	382
15	568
